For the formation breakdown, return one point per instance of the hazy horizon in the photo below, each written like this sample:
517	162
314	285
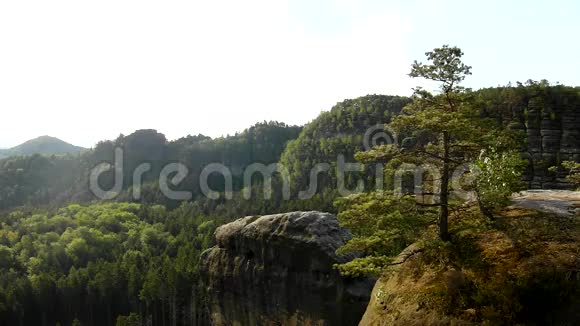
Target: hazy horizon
85	72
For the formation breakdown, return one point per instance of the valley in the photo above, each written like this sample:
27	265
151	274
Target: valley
457	207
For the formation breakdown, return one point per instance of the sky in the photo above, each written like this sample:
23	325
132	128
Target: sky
85	71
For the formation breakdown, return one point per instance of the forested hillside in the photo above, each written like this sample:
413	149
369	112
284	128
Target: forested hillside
44	145
340	131
548	117
102	262
39	180
54	180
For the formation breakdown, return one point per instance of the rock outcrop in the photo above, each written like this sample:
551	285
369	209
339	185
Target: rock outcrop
278	270
523	271
550	119
558	202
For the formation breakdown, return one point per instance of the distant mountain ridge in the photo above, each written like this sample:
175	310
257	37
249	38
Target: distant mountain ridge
45	145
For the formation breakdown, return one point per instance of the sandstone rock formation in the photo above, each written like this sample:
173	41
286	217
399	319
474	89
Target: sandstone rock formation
551	123
558	202
277	270
523	271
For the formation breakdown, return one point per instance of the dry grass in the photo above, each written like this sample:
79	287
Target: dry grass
522	269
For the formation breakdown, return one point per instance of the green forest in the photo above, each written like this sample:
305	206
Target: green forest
93	263
68	258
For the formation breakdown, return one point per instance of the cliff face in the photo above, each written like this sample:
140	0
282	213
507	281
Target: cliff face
553	133
549	117
277	270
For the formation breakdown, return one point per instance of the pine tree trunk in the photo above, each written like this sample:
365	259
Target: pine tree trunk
163	319
174	309
91	313
109	313
193	308
444	210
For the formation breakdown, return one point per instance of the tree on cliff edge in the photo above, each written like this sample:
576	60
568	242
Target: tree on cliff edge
442	124
447	133
444	132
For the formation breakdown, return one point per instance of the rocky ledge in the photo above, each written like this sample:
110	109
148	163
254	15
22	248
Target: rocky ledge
278	270
559	202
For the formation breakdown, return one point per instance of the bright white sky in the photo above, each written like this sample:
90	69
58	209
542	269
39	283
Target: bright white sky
85	71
